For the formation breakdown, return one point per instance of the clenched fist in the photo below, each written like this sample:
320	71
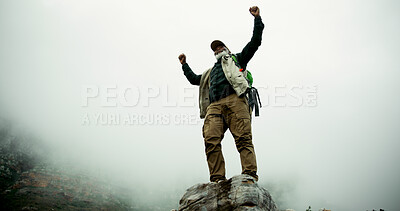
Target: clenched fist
255	11
182	58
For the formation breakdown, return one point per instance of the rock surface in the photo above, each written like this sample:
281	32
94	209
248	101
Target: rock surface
28	182
238	193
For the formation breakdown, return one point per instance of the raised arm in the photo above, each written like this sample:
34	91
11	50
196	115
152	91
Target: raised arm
190	75
251	47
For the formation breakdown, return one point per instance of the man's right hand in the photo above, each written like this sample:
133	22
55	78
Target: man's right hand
182	58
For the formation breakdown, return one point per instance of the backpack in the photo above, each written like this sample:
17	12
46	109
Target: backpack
252	93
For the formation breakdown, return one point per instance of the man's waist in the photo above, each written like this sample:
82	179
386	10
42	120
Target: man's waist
218	94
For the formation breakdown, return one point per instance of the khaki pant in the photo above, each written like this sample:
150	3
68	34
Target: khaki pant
230	112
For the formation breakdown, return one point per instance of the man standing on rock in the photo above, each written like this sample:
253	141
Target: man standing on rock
223	103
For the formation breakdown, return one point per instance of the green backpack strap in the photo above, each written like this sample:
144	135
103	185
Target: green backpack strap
236	62
234	58
249	77
253	96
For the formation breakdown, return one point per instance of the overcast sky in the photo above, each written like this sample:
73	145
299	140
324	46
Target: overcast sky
338	150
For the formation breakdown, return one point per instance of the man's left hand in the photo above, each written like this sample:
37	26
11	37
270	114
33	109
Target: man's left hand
255	11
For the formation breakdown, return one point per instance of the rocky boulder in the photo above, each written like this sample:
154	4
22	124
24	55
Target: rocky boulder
237	193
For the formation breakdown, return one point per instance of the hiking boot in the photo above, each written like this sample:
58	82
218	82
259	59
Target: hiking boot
255	177
217	181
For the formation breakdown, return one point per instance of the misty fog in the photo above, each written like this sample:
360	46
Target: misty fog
99	82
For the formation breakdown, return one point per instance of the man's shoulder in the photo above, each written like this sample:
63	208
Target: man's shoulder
237	55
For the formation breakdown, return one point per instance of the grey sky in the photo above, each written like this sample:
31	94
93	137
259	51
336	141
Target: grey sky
341	153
